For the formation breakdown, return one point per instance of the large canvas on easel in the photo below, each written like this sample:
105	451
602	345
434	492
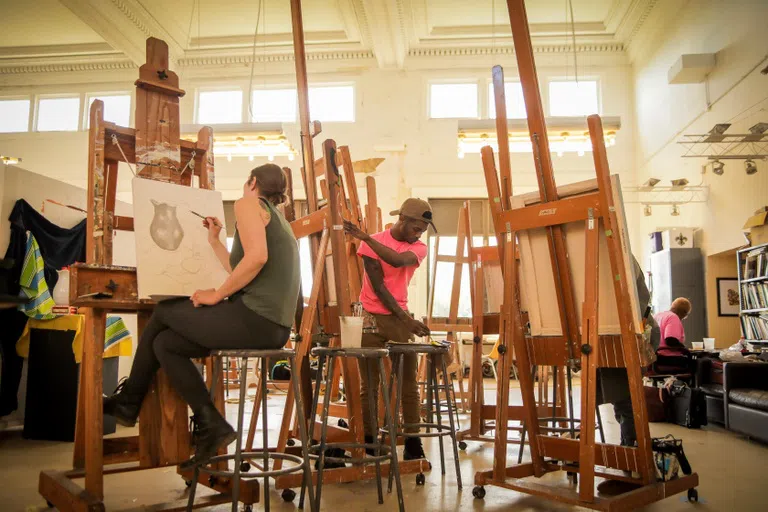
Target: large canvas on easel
173	256
538	293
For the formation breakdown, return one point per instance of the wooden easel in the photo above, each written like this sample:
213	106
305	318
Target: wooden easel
597	209
99	287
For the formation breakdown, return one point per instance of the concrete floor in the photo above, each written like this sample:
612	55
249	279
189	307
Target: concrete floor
732	472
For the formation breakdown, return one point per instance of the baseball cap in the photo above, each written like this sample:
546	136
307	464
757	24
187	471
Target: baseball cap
417	209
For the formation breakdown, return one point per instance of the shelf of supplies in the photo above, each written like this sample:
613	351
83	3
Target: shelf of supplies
758	310
756	341
754	280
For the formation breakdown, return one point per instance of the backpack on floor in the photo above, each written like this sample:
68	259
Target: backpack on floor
669	458
688	408
281	371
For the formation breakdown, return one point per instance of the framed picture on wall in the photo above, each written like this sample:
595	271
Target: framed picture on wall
727	296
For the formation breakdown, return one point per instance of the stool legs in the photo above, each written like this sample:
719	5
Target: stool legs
397	367
435	389
239	440
324	431
264	429
446	379
305	441
392	439
375	422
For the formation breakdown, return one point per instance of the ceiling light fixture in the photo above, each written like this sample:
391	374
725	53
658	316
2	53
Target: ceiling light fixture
750	167
9	160
647	210
679	183
718	167
675	210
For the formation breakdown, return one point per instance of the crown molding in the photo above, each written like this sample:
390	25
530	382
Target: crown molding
223	60
509	50
59	50
270	41
66	67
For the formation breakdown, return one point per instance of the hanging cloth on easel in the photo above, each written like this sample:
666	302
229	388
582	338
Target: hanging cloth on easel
33	285
59	248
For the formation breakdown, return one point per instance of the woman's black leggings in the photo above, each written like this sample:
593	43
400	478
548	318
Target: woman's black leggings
178	332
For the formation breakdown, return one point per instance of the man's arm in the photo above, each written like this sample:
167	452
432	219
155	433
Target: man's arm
391	257
376	275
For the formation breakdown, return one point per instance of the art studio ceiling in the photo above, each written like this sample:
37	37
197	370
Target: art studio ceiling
74	34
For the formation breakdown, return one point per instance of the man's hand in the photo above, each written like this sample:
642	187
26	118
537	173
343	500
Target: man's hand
355	232
205	298
416	327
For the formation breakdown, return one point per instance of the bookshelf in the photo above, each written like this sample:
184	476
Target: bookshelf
752	265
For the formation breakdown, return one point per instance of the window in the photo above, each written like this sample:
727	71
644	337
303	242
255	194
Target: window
446	215
220	107
452	100
117	108
513	91
14	116
332	103
573	98
58	114
273	106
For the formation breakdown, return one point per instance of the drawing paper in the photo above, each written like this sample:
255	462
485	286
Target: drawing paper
173	256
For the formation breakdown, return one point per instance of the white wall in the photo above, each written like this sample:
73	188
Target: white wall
738	93
391	109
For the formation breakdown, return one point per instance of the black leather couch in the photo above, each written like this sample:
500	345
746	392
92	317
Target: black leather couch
709	379
745	397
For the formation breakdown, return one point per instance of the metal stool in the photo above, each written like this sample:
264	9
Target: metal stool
435	354
449	402
241	466
382	452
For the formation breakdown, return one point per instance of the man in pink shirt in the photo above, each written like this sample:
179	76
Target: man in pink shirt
390	258
672	354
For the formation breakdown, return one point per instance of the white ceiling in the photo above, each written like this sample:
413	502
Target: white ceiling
36	31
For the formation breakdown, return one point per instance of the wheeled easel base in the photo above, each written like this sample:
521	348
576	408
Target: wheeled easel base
519	478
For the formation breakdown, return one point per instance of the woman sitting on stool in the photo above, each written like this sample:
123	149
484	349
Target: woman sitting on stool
672	354
252	309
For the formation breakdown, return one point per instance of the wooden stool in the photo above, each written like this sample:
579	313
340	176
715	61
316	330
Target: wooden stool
240	458
381	452
435	355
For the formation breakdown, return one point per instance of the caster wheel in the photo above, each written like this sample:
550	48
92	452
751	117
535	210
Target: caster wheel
420	479
248	508
462	445
429	465
573	478
188	483
343	424
245	467
50	505
288	495
479	492
211	481
693	495
291	442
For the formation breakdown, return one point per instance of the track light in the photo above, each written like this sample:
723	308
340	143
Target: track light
718	167
750	167
647	210
675	210
679	183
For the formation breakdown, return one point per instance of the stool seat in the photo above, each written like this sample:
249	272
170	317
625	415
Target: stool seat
269	352
416	348
359	353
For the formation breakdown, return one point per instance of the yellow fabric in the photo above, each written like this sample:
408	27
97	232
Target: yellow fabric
495	350
70	323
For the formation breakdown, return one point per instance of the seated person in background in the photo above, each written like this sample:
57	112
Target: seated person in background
672	354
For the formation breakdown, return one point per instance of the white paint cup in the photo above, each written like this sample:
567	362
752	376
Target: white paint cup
351	331
709	343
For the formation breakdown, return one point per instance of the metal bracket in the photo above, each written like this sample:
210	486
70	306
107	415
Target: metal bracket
591	217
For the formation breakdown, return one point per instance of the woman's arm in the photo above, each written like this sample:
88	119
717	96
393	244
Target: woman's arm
214	228
252	218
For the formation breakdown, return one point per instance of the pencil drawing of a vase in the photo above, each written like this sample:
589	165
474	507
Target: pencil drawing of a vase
165	228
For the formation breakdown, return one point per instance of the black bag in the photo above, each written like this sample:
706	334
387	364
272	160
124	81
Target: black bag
669	458
689	408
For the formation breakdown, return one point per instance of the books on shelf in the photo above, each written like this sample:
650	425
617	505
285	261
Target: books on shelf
754	295
756	263
755	327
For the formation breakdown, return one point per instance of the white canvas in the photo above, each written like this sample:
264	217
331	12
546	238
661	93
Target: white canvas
173	256
538	292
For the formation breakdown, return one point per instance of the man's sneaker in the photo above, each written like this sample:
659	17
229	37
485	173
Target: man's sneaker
413	449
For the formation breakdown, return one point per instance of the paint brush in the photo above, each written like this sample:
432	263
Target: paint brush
204	217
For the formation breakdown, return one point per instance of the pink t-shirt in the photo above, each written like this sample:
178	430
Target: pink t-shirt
670	326
395	279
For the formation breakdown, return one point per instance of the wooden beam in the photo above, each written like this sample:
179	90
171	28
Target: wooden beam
552	213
